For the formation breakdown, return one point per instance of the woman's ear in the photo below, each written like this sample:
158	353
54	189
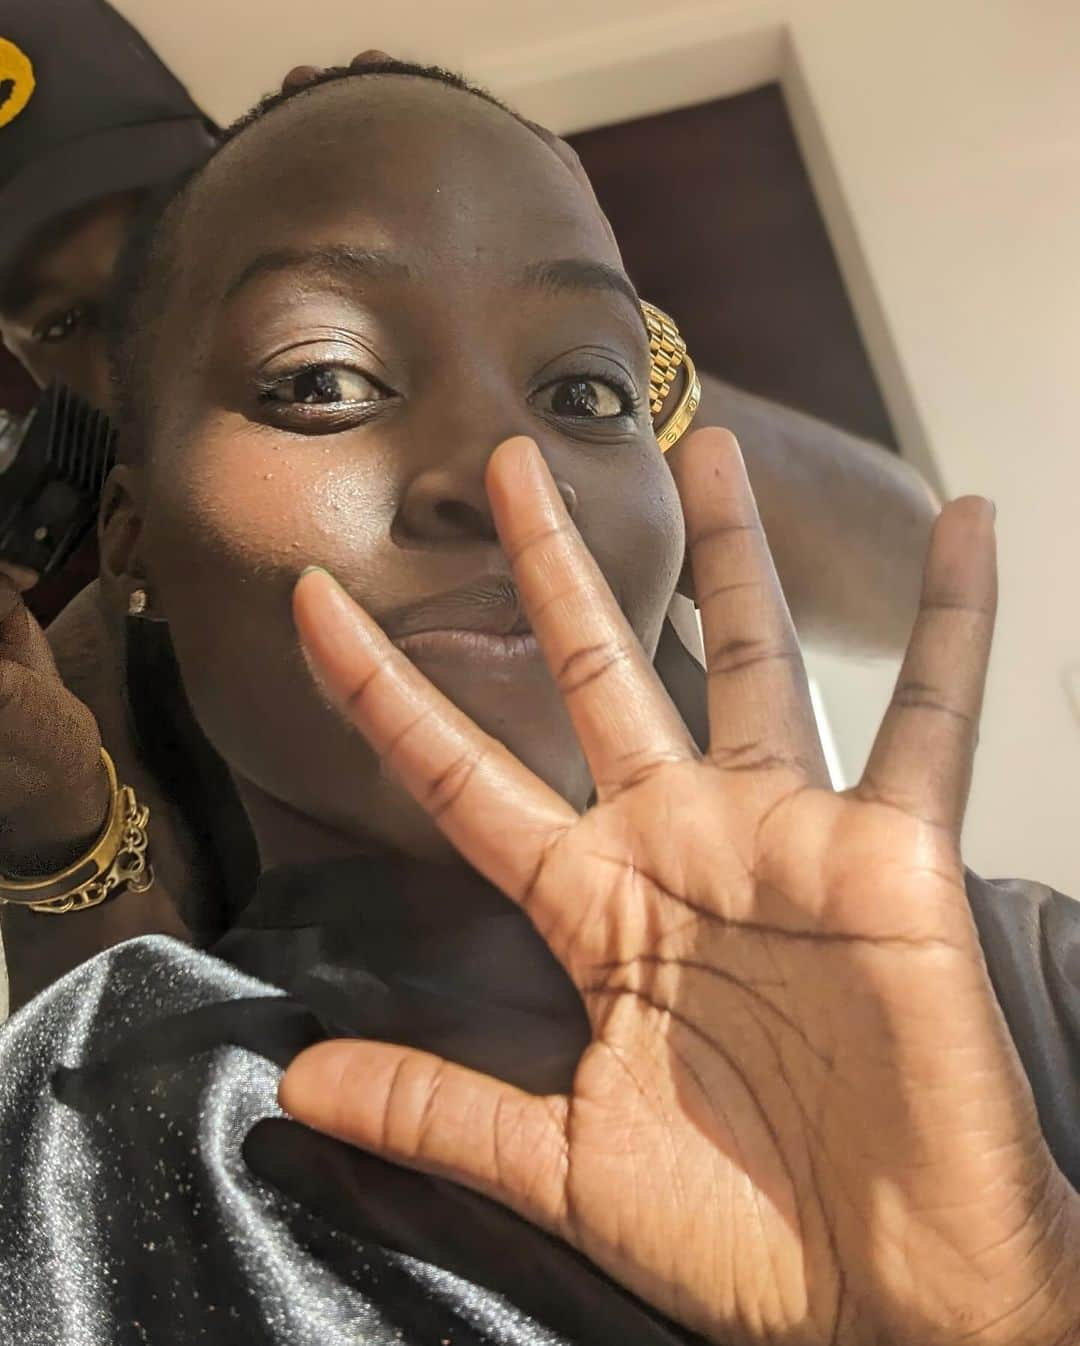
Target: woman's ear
119	533
683	675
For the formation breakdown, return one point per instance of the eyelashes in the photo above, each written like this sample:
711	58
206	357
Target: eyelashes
589	396
328	388
323	384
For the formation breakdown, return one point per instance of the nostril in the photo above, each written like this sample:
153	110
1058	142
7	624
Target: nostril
465	518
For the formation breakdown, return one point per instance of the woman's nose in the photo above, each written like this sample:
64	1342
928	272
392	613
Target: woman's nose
447	502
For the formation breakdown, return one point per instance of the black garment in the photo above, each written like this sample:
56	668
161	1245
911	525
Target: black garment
150	1191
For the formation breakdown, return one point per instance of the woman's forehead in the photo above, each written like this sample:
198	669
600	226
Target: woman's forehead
395	161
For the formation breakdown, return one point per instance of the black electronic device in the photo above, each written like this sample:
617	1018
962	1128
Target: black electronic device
53	465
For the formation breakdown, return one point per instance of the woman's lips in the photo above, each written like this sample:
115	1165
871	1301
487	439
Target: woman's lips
479	624
493	649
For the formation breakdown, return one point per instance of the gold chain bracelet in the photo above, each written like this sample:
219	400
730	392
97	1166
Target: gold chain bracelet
116	861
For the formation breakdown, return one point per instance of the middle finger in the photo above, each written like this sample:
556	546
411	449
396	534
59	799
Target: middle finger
760	713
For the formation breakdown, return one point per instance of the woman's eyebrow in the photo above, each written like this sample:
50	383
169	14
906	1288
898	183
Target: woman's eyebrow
340	259
575	273
333	259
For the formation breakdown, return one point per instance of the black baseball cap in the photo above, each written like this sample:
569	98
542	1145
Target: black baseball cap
87	110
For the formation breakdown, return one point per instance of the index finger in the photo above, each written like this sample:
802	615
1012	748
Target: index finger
500	816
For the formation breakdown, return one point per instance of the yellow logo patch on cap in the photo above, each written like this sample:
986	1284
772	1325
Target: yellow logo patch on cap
16	81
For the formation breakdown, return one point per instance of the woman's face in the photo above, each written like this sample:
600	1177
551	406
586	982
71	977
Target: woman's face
374	287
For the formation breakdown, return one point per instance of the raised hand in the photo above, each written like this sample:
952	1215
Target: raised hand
801	1118
300	75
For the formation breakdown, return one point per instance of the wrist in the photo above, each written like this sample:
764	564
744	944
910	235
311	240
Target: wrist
47	835
1064	1293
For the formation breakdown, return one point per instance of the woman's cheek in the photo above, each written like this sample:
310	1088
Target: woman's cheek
259	503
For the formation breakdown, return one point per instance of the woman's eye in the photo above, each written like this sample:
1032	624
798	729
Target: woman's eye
590	398
324	385
60	326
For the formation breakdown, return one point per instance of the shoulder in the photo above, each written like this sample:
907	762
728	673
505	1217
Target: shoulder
1030	937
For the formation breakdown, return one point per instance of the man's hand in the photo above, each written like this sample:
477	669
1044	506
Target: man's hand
300	75
54	800
801	1119
19	576
53	788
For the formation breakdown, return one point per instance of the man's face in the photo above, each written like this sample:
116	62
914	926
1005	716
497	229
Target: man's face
54	297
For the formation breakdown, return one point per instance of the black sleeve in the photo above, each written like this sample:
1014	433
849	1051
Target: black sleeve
1030	938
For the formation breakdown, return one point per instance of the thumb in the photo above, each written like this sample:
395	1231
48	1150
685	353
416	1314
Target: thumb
422	1112
22	641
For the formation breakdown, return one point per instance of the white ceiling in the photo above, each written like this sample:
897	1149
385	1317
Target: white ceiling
543	55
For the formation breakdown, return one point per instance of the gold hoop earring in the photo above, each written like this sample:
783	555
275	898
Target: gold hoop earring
668	354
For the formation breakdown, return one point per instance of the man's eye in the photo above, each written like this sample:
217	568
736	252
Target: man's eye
589	398
324	385
60	326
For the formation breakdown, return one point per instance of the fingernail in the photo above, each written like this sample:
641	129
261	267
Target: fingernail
316	570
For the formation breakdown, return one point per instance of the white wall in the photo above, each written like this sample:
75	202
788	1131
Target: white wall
943	137
953	132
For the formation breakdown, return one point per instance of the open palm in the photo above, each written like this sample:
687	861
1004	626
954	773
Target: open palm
800	1118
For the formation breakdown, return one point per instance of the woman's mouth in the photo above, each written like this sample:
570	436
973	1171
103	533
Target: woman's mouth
480	624
460	645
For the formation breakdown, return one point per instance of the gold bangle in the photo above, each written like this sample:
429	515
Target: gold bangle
116	860
678	422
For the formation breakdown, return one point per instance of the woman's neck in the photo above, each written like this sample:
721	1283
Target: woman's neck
443	924
285	836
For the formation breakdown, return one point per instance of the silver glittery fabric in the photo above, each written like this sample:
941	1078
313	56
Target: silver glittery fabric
128	1214
151	1191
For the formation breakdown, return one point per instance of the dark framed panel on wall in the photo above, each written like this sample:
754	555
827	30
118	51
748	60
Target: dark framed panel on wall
718	224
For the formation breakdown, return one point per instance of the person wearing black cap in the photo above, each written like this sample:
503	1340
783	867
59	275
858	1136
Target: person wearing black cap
92	125
91	119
